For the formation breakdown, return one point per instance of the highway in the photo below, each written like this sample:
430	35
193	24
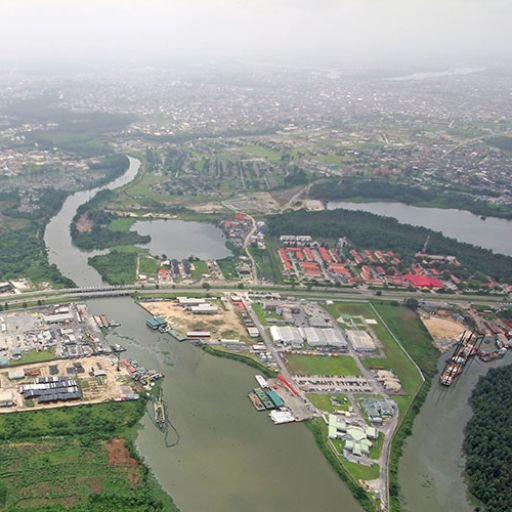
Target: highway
315	293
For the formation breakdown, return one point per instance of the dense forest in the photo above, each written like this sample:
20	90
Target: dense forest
488	441
367	230
22	248
336	190
100	235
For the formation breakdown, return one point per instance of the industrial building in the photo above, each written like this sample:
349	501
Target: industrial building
358	440
360	340
378	409
204	309
286	335
6	399
324	337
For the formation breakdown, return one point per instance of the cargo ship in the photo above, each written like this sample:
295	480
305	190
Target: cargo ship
467	347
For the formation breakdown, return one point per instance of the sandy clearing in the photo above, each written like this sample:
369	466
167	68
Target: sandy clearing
226	324
444	331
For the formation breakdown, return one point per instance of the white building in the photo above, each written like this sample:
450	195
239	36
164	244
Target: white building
287	335
7	399
324	337
361	341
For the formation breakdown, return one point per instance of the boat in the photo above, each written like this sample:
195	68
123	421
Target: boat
159	409
117	348
258	405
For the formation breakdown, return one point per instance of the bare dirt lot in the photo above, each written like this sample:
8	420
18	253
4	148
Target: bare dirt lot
444	331
226	324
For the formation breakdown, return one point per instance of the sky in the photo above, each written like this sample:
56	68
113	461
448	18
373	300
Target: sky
344	31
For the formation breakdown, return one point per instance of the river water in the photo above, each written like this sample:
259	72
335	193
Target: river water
229	458
431	468
492	233
71	261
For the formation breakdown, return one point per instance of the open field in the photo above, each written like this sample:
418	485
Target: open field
323	365
64	472
225	324
325	402
78	458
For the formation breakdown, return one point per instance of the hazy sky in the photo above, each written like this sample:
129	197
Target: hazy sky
348	30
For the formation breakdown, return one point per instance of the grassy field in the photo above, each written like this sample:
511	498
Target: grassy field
361	472
35	356
413	335
200	268
377	447
325	402
227	266
264	316
320	365
122	224
148	266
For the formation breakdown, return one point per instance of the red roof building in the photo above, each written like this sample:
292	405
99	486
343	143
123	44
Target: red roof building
420	281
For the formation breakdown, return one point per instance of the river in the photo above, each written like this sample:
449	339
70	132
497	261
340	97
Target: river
431	468
229	458
71	261
492	233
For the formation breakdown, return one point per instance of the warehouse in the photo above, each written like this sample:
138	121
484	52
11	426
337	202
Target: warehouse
326	337
286	335
361	341
6	399
204	309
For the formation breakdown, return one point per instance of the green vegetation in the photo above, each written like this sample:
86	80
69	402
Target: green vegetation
64	459
488	440
116	267
148	266
264	316
329	403
249	361
370	231
92	226
228	268
362	472
34	356
22	247
200	268
385	190
323	365
413	335
376	448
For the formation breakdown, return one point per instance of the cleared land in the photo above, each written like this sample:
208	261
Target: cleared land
226	324
444	331
329	403
320	365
